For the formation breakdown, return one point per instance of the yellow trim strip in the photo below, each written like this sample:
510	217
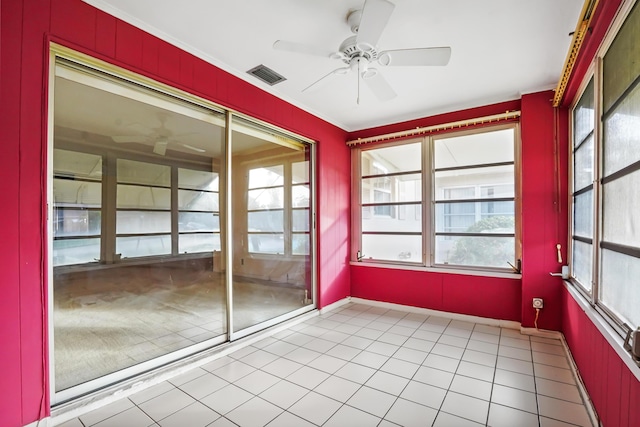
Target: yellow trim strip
508	115
576	43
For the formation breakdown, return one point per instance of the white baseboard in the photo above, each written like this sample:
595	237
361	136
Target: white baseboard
510	324
335	305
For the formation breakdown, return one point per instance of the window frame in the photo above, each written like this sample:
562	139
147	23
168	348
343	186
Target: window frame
427	204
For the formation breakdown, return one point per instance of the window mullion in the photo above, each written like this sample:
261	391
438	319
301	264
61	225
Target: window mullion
597	182
428	206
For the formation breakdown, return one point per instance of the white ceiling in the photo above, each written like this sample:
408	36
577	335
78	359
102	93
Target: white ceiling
501	49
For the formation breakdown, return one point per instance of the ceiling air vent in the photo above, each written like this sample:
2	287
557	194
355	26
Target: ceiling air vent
266	74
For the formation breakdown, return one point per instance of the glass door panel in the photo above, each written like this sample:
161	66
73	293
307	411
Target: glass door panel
272	219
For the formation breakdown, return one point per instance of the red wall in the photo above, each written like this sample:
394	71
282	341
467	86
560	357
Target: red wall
26	27
613	388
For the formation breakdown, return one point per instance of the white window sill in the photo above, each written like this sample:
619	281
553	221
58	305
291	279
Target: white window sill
444	270
609	334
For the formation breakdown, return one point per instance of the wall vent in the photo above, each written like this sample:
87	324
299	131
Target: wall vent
266	74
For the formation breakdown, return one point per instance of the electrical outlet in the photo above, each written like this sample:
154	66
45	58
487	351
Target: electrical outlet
538	303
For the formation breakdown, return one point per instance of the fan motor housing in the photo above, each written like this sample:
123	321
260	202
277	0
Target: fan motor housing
350	49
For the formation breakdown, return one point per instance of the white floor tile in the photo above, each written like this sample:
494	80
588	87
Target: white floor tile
190	375
130	417
473	370
485	337
226	399
558	390
348	416
406	413
244	351
257	382
388	383
466	407
337	388
259	358
553	373
441	362
457	332
382	348
410	355
315	408
194	415
298	339
334	336
547	348
427	335
520	342
222	422
424	394
448	351
75	422
357	342
281	367
514	398
515	365
254	413
515	380
550	359
447	420
513	333
287	419
434	377
471	387
369	359
479	357
487	329
166	404
326	363
355	372
284	394
107	411
503	416
400	368
418	344
234	371
401	330
548	422
302	355
280	348
319	345
372	401
369	333
344	352
203	386
482	346
453	340
391	338
151	392
308	377
563	411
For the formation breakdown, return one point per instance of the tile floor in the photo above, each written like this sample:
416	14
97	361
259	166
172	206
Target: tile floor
362	365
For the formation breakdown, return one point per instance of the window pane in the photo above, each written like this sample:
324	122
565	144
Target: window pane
266	177
266	243
132	172
401	158
137	222
266	198
392	247
396	218
403	188
193	243
583	116
75	251
621	216
583	214
136	197
198	221
300	196
582	261
197	180
130	247
620	65
486	182
266	221
491	209
475	217
619	290
197	201
300	243
67	222
474	149
300	220
583	165
81	194
77	165
475	251
300	172
622	134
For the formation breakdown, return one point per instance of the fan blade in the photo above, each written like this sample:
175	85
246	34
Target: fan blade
413	57
301	48
160	147
129	138
190	147
378	85
324	79
375	15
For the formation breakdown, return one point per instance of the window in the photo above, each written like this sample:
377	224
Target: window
450	197
605	257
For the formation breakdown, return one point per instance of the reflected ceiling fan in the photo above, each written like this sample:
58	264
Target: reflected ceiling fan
359	52
159	136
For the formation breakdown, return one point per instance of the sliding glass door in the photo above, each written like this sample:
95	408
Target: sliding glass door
152	200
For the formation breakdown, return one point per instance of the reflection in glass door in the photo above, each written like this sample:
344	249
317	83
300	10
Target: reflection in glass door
137	270
272	223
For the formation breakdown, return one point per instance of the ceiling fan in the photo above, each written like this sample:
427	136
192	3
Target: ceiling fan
159	136
359	52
